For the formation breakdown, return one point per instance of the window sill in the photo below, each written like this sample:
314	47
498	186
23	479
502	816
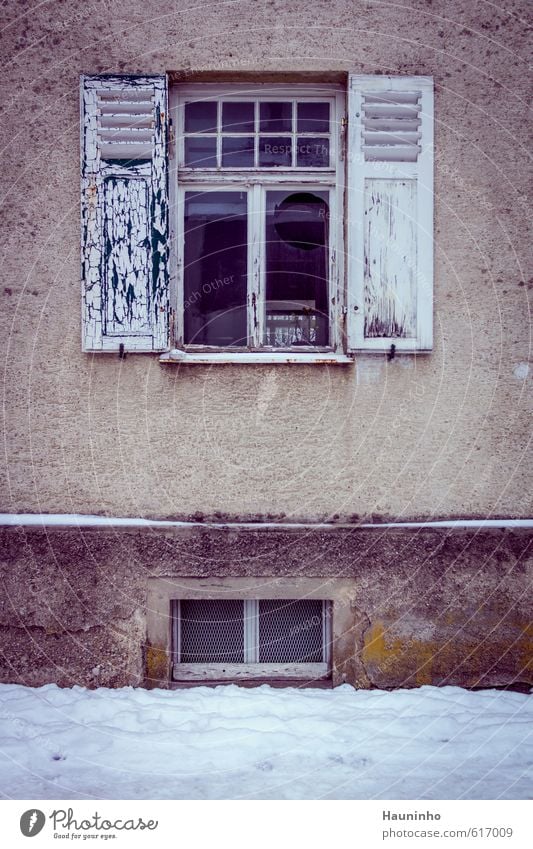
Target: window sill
178	357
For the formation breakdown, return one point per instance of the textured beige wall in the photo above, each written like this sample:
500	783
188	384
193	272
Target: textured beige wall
443	434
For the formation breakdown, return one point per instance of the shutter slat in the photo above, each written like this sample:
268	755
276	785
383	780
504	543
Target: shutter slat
393	97
126	95
393	110
385	137
391	124
134	121
124	108
127	150
125	213
391	153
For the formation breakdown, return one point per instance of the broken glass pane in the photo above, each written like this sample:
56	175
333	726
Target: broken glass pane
297	268
215	275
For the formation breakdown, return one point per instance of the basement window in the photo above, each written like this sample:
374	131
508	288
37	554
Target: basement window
235	639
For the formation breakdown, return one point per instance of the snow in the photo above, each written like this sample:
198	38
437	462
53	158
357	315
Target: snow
228	742
86	521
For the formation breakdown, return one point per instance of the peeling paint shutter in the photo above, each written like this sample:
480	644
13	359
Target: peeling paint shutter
124	200
390	213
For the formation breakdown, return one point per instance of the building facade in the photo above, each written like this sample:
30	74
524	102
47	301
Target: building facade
294	447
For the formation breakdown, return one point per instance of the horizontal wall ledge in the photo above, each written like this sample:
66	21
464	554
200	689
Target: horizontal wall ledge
177	357
47	520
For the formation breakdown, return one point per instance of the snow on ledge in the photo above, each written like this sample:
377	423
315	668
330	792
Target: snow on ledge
47	520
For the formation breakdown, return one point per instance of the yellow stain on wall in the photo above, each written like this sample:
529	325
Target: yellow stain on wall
429	661
525	649
156	664
374	645
406	659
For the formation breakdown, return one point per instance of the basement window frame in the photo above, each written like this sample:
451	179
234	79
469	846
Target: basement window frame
251	668
256	181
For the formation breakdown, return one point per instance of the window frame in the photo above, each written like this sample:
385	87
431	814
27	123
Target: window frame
256	181
250	668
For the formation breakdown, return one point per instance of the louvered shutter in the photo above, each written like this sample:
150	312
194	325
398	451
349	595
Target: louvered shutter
124	213
390	213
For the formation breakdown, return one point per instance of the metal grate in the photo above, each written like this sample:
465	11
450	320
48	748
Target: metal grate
211	631
271	631
291	631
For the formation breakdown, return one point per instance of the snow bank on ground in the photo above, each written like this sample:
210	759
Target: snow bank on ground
229	742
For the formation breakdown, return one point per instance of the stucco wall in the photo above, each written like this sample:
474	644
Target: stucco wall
424	607
443	434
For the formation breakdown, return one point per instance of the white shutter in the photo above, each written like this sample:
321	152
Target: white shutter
390	213
124	199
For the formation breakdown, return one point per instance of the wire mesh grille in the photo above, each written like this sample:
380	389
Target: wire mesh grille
211	631
291	631
285	631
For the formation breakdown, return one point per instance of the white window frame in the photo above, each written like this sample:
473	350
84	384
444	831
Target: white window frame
251	668
256	181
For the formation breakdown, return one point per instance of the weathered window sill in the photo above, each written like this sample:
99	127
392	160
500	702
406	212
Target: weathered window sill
177	357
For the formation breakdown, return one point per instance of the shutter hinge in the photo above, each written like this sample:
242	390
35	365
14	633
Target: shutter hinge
171	138
344	127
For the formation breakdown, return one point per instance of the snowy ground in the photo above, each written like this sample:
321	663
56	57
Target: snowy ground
230	742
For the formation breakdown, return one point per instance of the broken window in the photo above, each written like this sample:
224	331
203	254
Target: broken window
259	227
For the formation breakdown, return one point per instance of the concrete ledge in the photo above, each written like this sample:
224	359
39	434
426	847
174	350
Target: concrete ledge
426	606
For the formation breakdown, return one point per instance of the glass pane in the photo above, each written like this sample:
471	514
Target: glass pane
211	631
312	153
200	152
216	247
291	631
238	117
275	117
297	268
313	117
237	152
274	150
200	117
